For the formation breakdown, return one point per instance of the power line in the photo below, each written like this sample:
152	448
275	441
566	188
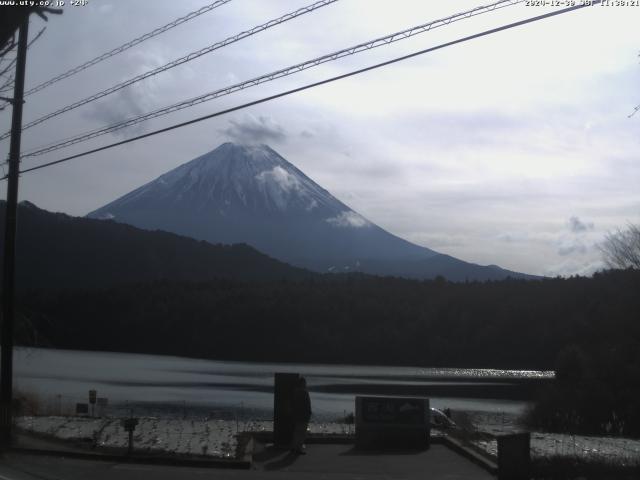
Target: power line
126	46
386	40
179	61
312	85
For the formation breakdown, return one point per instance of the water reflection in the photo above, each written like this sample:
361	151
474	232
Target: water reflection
132	379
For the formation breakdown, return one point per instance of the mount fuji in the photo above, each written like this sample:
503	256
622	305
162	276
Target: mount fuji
251	194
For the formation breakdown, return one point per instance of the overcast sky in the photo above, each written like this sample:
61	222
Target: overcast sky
514	149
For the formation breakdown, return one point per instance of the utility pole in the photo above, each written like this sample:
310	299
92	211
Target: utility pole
8	267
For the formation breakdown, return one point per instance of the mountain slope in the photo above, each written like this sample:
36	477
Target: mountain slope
57	250
239	193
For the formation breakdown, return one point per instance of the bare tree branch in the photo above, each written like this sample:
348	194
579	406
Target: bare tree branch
637	109
621	249
38	35
8	47
40	11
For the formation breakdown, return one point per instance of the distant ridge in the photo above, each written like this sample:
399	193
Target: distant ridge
59	251
251	194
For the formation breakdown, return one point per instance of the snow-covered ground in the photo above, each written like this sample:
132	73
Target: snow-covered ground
213	438
614	449
218	438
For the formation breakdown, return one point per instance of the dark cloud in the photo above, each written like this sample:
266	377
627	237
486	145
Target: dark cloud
250	129
569	247
575	243
514	237
125	104
578	226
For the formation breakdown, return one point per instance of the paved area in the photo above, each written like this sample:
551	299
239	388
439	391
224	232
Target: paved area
31	441
326	462
343	461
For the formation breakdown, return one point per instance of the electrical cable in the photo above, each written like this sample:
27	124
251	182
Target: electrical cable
126	46
315	84
386	40
177	62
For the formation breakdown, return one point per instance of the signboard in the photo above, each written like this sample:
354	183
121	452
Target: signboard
82	409
92	396
392	423
129	424
400	411
514	456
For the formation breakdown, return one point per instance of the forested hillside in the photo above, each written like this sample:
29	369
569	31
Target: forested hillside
352	319
59	251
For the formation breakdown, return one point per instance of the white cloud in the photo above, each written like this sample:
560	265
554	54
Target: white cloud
483	150
312	204
348	219
280	177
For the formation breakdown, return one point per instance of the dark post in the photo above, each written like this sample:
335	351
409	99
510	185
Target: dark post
8	269
514	456
92	400
130	448
283	423
129	425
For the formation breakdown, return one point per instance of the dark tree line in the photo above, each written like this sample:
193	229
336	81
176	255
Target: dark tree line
352	318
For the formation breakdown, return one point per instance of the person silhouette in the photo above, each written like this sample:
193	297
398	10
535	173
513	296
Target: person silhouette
301	416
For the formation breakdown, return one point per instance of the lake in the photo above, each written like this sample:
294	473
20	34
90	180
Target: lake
156	384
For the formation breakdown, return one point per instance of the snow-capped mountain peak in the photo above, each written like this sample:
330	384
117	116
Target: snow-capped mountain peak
253	176
251	194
